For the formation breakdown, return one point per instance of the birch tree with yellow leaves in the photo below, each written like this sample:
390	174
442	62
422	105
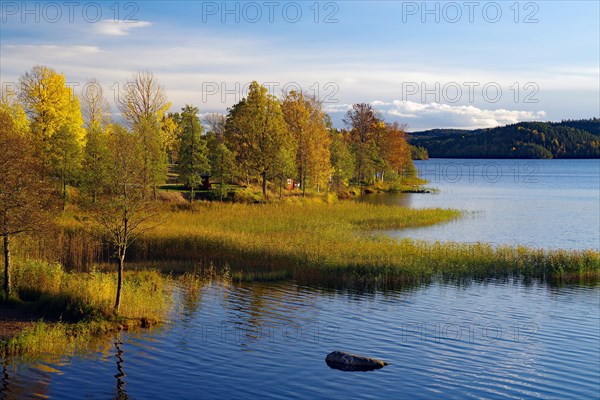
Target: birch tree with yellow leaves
56	123
50	104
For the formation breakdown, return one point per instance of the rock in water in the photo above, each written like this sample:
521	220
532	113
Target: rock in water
352	362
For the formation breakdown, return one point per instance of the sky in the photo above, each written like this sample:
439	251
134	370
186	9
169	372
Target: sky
435	64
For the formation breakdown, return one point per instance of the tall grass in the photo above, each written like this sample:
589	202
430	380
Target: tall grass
75	296
77	306
316	240
44	340
337	244
276	235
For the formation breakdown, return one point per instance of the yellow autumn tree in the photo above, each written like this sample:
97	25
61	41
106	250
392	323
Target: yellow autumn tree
9	104
56	124
306	123
23	206
397	150
170	134
319	165
50	104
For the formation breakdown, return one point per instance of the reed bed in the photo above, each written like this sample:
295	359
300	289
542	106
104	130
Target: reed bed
339	244
76	296
45	341
77	306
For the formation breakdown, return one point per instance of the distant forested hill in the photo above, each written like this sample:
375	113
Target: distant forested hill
566	139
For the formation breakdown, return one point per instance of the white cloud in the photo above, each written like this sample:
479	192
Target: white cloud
51	51
436	115
455	116
118	28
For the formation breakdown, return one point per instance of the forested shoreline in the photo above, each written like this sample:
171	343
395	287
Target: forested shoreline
524	140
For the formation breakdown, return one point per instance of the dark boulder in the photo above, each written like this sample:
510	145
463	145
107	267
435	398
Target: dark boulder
352	362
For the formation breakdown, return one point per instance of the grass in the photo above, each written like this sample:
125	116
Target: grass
77	306
337	244
43	339
75	296
252	194
407	185
315	240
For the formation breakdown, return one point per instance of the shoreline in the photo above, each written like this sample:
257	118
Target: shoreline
334	247
15	320
20	323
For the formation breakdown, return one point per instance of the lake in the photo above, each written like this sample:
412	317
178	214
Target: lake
477	339
506	339
540	203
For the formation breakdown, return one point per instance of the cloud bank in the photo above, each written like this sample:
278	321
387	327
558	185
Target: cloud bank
422	115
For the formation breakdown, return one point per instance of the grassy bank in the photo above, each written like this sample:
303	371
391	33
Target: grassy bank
252	194
73	307
338	245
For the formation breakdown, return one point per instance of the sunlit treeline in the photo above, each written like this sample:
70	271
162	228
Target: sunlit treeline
262	139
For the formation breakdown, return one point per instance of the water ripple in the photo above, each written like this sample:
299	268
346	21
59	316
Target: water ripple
486	340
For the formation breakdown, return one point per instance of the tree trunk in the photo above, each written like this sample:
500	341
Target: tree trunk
303	184
264	183
120	280
191	194
359	172
6	266
64	197
281	188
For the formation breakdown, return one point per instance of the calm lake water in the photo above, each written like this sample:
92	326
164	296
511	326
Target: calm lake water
492	339
481	340
541	203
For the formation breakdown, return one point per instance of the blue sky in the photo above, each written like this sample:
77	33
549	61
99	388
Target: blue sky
427	64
